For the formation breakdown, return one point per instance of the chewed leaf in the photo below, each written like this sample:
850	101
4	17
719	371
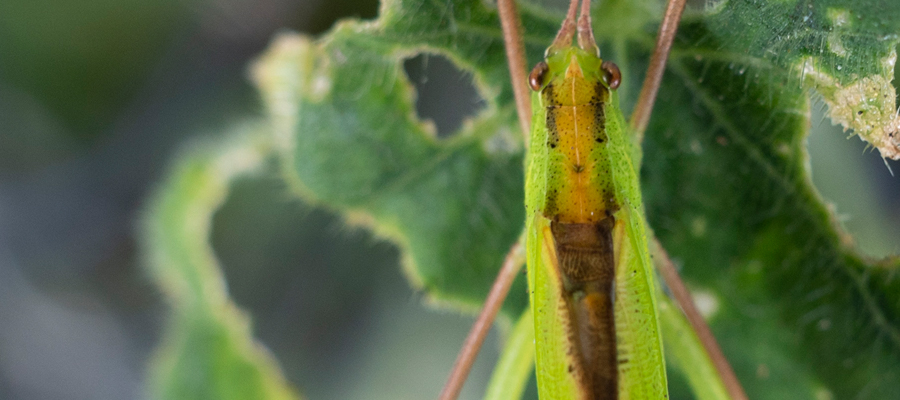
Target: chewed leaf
208	350
843	50
867	106
343	109
724	177
356	145
727	191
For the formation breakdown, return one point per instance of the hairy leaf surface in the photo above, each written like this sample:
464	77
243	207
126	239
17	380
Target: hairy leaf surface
724	175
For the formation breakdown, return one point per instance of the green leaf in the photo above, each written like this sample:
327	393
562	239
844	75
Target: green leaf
845	50
728	193
725	179
453	205
208	350
686	355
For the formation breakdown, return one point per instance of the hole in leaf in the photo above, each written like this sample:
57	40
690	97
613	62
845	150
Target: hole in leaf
325	13
337	330
446	94
852	176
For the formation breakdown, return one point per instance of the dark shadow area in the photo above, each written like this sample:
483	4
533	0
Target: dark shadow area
331	302
446	94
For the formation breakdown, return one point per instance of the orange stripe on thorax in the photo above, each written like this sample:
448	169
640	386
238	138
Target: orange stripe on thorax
574	103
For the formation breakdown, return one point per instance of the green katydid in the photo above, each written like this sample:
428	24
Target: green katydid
590	274
591	280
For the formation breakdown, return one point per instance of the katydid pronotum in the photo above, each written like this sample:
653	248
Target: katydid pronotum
593	291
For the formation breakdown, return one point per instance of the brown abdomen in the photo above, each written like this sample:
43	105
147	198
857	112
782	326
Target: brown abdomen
587	268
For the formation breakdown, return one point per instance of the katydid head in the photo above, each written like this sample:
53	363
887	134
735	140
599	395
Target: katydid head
565	61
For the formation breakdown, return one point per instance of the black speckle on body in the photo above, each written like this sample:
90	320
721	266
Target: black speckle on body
552	129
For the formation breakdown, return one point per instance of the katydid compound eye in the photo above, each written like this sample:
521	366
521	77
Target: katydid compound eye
612	74
536	77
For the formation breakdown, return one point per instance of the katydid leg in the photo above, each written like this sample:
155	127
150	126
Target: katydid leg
508	272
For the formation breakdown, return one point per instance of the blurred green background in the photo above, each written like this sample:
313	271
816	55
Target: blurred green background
95	98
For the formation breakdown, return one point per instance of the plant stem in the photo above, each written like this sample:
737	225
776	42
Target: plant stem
511	266
515	56
683	297
641	115
639	120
